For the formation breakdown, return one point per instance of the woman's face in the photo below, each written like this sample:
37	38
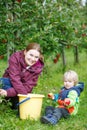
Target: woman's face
31	56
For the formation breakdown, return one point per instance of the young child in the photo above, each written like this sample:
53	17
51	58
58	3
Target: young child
67	99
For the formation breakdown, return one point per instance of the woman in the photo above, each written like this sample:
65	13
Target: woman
22	73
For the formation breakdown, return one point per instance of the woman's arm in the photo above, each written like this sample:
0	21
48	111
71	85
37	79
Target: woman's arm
14	75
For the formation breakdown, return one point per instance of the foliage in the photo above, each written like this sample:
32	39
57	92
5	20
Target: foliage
50	23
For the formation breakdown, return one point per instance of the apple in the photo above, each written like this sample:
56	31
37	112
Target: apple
84	34
19	1
55	60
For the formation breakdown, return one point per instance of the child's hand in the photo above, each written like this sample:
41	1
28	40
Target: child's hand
51	95
66	101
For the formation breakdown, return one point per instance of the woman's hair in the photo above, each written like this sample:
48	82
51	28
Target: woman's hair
71	76
37	47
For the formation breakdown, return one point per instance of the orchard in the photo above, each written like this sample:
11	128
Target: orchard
60	27
51	23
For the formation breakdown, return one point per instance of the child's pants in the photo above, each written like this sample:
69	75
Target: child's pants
57	112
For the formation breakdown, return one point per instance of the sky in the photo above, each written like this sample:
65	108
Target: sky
83	2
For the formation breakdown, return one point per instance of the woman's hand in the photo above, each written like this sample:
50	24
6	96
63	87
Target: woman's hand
3	92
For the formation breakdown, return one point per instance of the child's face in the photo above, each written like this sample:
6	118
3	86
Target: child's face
31	56
68	84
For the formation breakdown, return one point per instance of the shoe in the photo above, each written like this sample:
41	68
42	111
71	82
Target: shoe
47	120
49	115
44	120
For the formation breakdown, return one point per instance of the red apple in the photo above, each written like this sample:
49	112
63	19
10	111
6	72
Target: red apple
55	60
84	34
19	1
1	56
4	41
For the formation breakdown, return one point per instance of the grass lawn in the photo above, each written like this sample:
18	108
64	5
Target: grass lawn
50	81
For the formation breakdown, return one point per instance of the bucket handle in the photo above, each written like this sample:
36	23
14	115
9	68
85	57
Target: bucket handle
23	101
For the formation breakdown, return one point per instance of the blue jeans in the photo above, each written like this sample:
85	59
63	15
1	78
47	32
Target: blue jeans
58	112
6	84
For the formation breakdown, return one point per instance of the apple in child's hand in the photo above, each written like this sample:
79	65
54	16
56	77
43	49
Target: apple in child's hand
67	101
50	95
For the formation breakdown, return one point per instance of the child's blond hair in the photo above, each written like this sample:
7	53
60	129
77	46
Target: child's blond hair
71	76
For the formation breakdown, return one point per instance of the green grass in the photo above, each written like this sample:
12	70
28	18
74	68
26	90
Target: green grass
50	81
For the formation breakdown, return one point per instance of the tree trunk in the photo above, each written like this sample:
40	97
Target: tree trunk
63	58
76	58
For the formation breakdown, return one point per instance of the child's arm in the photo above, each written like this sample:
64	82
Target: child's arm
53	96
71	98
